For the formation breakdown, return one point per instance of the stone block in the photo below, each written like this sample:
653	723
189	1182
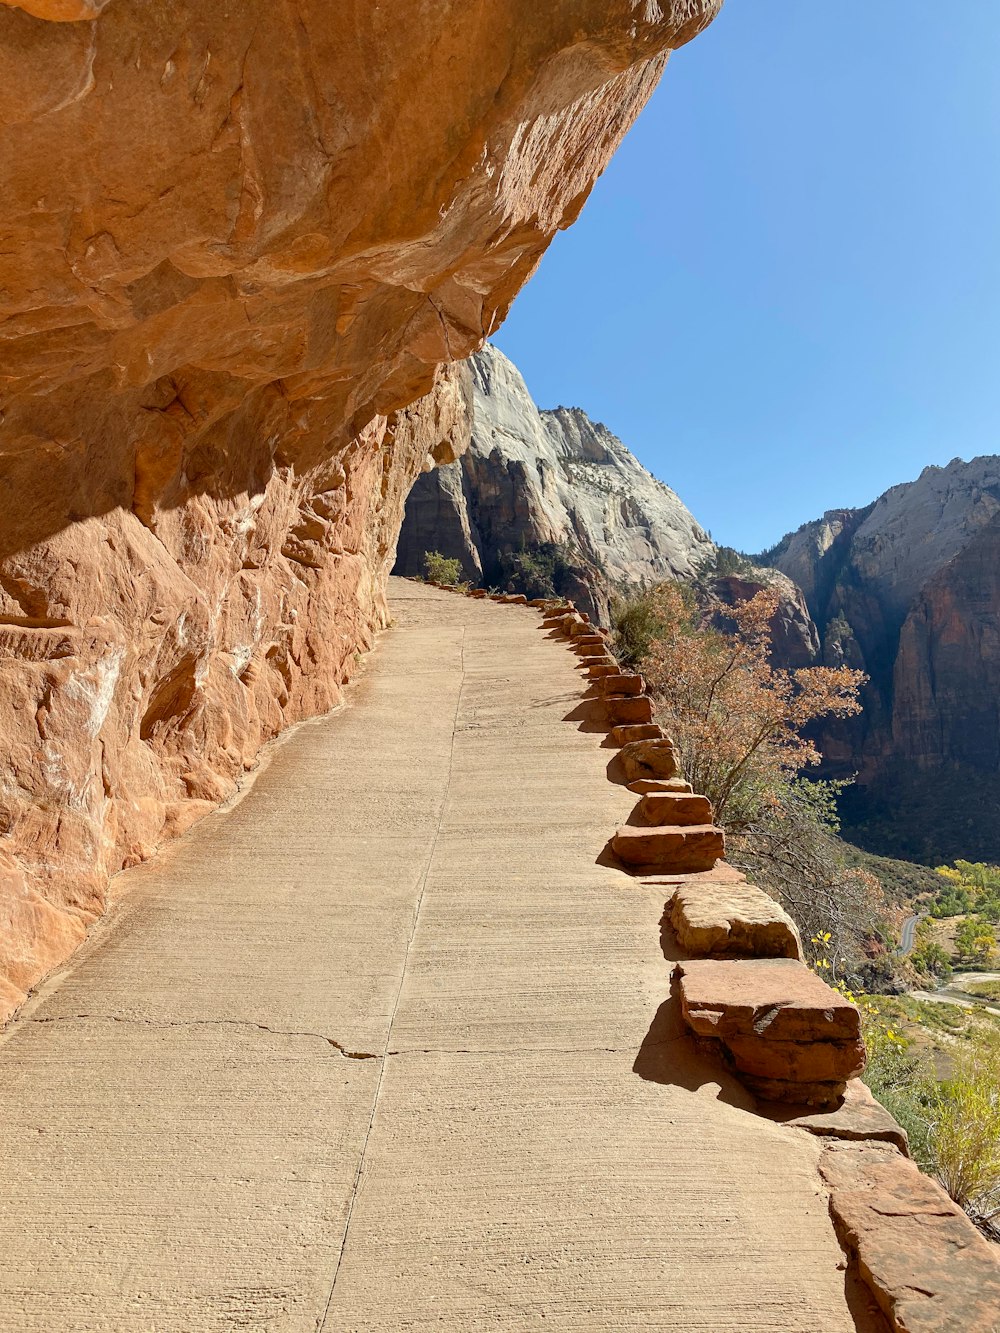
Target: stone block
659	808
620	709
635	731
649	759
682	851
732	920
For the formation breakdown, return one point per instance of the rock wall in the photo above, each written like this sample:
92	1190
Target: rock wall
533	477
907	589
237	245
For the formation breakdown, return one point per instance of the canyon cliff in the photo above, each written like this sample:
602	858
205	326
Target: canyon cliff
908	589
239	251
533	480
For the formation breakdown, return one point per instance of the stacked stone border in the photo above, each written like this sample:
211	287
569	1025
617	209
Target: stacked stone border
748	997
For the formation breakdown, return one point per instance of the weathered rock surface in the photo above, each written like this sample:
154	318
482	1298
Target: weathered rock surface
649	759
908	589
534	477
636	731
674	808
928	1267
628	710
789	1035
859	1118
732	920
236	247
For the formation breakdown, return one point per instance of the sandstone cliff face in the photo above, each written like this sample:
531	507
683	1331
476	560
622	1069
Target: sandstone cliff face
532	477
908	589
237	246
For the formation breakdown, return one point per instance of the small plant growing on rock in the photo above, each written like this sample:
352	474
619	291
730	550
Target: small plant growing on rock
439	568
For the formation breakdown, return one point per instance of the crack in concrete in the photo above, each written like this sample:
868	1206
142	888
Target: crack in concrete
324	1317
208	1022
341	1049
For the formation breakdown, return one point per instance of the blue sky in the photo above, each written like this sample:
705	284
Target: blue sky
784	292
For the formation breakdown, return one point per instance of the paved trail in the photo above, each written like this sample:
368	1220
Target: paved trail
382	1048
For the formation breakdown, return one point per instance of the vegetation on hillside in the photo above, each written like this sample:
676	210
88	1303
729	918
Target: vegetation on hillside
943	1087
969	887
547	569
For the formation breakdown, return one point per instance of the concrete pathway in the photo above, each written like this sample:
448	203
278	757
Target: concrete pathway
383	1047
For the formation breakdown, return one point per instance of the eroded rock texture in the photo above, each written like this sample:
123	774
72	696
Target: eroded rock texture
237	245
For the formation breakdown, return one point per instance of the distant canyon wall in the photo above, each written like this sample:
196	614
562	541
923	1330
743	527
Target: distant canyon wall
533	478
239	248
909	590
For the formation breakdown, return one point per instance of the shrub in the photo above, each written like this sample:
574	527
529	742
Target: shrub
439	569
792	852
545	570
736	720
965	1135
636	621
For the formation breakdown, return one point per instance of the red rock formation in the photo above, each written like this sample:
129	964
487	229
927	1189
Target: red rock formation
236	246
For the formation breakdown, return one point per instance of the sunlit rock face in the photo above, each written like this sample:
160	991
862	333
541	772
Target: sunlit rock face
908	589
237	246
534	477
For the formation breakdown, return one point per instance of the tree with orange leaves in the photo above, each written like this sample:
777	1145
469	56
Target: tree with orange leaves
736	720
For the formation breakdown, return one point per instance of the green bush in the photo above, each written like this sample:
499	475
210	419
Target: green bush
439	569
965	1135
636	621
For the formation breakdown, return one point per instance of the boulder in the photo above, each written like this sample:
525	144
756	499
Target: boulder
623	709
732	920
682	851
649	759
790	1037
859	1118
635	731
620	683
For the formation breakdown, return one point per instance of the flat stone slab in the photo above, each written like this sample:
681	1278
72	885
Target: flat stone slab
636	731
859	1118
776	998
927	1266
649	759
790	1037
643	785
737	920
683	850
677	808
627	708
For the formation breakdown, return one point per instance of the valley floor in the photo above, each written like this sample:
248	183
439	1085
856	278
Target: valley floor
383	1047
